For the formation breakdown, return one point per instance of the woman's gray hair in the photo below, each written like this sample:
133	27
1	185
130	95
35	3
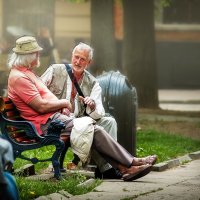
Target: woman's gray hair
21	59
83	46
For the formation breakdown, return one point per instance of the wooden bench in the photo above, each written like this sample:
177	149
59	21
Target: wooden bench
23	136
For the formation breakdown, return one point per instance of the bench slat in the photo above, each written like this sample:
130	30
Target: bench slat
12	114
9	106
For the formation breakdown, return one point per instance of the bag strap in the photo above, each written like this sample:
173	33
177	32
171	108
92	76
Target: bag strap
74	81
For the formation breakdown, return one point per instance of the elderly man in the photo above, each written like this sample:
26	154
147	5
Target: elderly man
40	106
59	82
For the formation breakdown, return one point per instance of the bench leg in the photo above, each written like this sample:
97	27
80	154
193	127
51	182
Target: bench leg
63	153
55	159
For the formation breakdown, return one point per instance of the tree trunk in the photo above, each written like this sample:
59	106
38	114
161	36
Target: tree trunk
102	36
139	60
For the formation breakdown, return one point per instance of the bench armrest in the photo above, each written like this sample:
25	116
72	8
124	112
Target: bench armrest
27	126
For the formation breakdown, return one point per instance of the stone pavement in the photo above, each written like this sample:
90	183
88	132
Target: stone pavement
177	179
180	100
178	183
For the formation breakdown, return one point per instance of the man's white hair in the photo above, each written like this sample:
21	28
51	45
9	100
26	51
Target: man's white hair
21	59
83	46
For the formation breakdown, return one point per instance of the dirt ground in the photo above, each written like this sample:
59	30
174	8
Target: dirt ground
174	122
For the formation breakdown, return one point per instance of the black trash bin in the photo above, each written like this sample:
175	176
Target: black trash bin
120	100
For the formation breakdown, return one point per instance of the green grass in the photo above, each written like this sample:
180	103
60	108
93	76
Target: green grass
41	153
30	189
166	146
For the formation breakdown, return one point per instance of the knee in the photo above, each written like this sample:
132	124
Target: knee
109	120
112	122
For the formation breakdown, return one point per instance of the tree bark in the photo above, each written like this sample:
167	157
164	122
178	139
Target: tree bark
139	59
102	36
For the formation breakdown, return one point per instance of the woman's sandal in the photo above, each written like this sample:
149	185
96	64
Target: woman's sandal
151	160
143	170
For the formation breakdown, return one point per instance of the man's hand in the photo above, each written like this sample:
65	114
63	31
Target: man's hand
88	101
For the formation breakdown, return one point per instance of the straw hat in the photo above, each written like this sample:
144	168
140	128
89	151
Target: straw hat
26	45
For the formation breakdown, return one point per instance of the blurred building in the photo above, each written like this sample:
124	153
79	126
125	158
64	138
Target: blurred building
178	45
177	32
67	22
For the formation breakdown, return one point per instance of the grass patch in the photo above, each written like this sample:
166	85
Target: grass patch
31	189
166	146
41	153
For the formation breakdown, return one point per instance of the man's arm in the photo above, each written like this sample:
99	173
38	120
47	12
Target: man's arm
95	95
43	106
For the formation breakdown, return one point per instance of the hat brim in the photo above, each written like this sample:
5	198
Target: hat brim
27	52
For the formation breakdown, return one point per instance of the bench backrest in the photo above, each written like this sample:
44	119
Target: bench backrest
9	111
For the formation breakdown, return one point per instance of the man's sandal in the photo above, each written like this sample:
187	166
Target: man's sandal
151	160
142	171
71	166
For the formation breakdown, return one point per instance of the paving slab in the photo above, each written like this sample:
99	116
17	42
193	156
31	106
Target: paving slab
180	183
179	100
